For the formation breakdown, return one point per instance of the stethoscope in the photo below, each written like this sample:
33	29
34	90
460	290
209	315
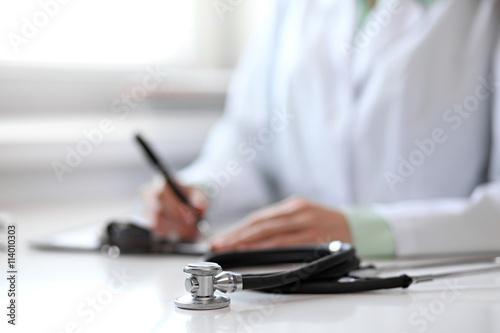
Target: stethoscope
331	268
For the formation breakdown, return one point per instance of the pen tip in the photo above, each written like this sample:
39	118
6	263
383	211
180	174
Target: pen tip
139	138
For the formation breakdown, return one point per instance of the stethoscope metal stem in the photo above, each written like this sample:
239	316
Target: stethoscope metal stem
431	277
372	270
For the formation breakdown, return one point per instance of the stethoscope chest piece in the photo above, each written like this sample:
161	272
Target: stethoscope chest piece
201	285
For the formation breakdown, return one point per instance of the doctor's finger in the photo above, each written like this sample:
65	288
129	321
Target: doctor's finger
168	229
179	213
286	208
255	233
301	238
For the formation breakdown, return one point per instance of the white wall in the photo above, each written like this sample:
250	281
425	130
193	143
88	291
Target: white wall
66	80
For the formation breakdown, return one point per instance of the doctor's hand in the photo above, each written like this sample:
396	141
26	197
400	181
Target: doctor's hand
172	219
293	222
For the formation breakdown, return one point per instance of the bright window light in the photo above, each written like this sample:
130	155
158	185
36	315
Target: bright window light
96	31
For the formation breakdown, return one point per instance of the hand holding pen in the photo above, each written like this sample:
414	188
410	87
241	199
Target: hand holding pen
176	211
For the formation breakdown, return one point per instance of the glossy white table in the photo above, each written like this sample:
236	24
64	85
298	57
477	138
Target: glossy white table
91	292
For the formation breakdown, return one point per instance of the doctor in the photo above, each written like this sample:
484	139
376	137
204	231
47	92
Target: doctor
372	122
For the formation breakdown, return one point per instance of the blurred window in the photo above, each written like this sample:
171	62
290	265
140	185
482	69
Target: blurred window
96	31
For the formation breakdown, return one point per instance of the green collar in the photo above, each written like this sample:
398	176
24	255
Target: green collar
365	9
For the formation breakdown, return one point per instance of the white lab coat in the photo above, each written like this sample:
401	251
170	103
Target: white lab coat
349	117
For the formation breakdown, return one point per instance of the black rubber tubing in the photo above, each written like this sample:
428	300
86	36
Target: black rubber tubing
319	275
335	287
254	258
299	274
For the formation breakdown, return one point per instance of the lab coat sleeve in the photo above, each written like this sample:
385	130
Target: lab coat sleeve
229	170
446	226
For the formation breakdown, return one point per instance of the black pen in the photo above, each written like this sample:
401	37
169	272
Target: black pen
201	224
156	162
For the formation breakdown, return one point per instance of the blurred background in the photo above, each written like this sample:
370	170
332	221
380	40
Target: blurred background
160	67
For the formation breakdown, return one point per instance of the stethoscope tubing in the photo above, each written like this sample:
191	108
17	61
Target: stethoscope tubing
320	273
323	271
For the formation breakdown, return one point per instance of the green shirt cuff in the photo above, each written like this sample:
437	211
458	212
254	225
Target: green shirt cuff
371	233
